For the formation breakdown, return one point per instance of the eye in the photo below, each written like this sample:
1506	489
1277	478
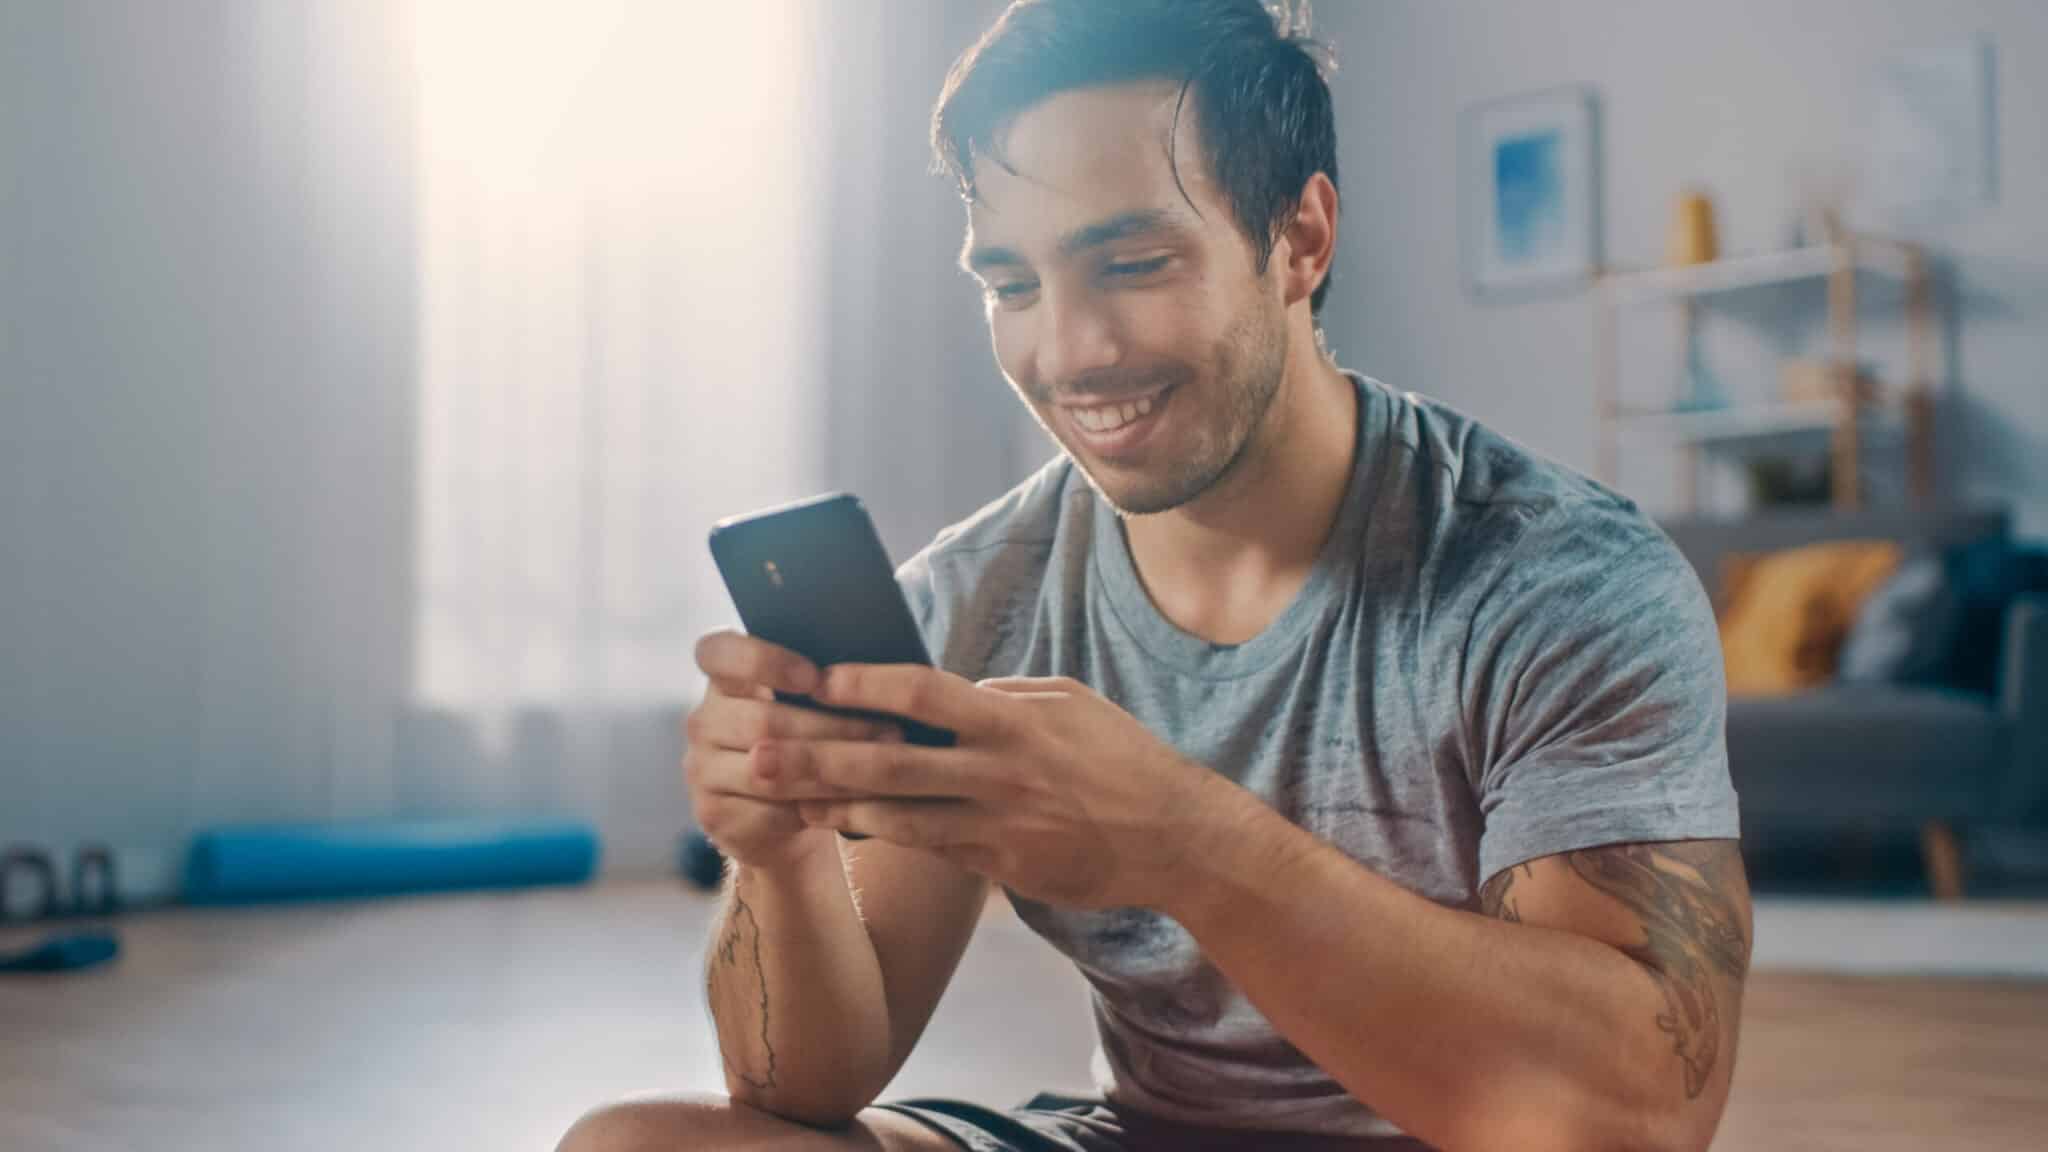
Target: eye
1011	291
1127	269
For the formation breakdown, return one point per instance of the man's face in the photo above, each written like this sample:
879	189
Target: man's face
1133	324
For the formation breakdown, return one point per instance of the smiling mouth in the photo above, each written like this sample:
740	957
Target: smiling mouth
1102	418
1118	429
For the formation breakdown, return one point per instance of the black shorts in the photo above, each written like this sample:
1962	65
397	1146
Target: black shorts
1051	1122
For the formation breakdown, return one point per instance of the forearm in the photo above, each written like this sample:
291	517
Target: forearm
797	994
1468	1032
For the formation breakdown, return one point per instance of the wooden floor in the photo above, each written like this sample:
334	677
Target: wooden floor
491	1022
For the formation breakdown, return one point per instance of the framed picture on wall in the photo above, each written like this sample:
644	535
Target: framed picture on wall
1529	193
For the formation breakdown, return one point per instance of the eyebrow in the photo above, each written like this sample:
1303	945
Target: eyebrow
1118	227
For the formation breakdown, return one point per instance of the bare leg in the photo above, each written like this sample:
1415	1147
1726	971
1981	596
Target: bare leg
688	1123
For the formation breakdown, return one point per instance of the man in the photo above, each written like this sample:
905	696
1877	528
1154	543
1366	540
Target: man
1370	768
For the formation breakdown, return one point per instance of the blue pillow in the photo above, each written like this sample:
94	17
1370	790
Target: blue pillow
1907	632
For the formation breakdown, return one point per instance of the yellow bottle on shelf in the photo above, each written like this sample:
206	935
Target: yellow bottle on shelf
1692	231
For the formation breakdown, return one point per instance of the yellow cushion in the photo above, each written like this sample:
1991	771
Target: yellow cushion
1785	614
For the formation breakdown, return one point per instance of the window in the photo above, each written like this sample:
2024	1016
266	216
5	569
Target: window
618	248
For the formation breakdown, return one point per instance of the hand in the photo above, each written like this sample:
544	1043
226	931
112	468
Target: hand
1051	789
739	710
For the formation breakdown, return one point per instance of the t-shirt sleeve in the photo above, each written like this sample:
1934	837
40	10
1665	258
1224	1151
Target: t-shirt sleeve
1595	700
915	577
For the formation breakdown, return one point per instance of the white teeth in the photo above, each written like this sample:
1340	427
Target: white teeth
1109	418
1100	419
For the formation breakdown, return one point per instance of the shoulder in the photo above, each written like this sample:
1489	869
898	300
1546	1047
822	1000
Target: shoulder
973	584
1510	521
1483	472
1022	522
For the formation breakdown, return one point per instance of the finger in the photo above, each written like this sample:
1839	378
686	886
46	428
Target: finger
1030	685
867	768
739	689
754	776
916	691
741	724
741	826
929	824
710	769
751	660
1032	695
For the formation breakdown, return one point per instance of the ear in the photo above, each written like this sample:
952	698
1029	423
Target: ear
1309	241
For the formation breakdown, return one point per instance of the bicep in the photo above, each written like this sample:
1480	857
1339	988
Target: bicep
1680	909
920	912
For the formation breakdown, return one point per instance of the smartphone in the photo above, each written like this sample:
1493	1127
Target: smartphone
814	578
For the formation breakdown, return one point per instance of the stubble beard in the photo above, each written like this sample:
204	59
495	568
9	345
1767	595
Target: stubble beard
1249	363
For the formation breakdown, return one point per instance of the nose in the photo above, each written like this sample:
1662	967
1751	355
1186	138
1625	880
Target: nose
1076	338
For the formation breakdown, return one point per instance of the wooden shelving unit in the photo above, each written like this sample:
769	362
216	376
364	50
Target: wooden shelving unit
1842	420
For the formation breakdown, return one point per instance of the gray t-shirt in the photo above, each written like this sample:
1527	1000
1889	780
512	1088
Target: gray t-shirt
1493	659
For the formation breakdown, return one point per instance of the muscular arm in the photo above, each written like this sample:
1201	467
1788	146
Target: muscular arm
1594	1005
1679	910
796	993
822	976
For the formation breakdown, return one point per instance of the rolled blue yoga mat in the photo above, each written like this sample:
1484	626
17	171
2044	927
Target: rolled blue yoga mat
69	952
281	862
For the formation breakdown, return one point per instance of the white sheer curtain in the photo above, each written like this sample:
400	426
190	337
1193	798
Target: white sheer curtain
617	333
619	341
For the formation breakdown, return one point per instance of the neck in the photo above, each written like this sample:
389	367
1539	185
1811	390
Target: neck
1222	564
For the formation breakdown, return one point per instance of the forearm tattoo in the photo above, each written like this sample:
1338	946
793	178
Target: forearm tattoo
738	954
1496	897
1686	897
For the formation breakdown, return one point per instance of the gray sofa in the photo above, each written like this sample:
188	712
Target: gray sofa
1889	758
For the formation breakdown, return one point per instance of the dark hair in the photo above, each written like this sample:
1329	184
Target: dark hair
1261	102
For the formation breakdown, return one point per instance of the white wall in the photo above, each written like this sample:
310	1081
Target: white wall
920	421
1735	95
205	416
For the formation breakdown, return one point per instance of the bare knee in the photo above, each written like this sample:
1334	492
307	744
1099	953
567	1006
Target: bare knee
668	1124
697	1121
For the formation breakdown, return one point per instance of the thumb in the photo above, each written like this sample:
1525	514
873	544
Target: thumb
1029	686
